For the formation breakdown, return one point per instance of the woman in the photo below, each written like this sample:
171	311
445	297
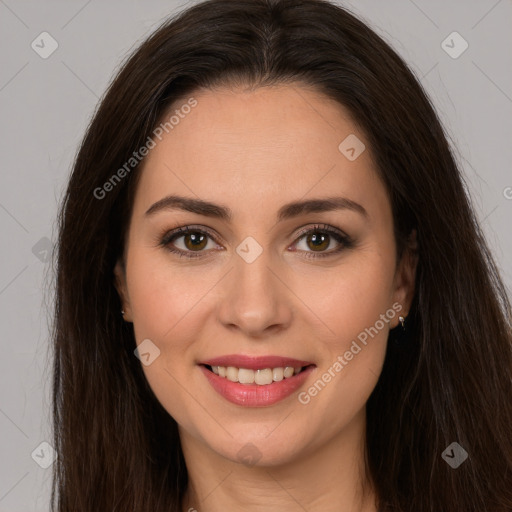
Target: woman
272	292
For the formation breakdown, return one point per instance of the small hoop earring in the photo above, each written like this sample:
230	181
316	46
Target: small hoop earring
401	319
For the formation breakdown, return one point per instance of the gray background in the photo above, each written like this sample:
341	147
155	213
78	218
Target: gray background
47	103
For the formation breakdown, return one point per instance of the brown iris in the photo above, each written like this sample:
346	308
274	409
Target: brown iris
320	241
197	239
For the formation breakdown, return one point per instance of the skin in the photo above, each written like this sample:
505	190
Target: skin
253	151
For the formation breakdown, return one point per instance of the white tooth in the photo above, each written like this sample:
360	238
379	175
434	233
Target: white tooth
288	372
263	376
246	376
232	373
277	374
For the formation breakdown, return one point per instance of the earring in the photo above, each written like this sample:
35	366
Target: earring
122	312
401	319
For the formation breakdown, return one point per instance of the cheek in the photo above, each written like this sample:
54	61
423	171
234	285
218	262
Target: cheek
162	297
352	296
354	304
166	307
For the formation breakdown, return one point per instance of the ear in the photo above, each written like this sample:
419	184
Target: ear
122	289
405	277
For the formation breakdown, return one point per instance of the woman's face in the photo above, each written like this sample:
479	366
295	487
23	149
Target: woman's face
256	283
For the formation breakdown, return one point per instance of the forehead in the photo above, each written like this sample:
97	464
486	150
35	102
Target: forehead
256	147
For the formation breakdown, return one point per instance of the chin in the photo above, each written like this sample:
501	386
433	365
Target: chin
260	451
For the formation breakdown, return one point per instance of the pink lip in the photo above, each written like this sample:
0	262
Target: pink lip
254	395
255	363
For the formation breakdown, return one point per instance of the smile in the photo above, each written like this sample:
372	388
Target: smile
256	381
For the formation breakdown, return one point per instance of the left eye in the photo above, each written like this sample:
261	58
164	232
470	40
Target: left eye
320	241
316	239
319	237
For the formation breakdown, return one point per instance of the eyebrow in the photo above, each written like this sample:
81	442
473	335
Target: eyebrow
288	211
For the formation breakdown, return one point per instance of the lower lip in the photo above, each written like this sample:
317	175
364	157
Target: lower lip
254	395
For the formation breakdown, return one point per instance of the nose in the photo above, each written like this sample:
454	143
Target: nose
255	299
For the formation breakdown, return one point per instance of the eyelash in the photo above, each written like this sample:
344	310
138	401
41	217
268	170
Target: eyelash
345	241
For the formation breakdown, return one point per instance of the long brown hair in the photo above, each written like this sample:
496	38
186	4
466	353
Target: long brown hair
449	381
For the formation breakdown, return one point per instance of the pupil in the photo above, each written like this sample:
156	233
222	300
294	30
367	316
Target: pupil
318	240
196	239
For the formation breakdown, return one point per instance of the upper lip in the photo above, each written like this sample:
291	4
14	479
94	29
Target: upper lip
255	362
